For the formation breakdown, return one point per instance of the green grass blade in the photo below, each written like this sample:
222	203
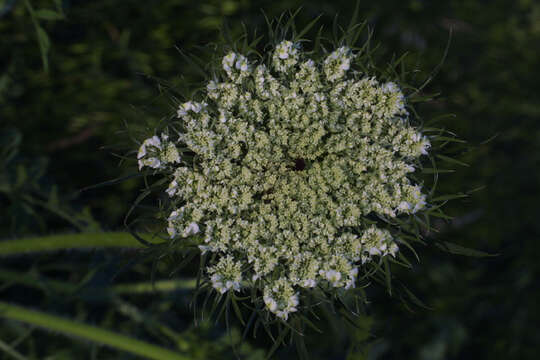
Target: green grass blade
452	160
11	351
69	241
461	250
87	332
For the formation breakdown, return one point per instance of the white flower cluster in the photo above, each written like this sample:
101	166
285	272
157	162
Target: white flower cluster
176	227
337	64
226	274
236	66
289	162
157	152
280	298
285	56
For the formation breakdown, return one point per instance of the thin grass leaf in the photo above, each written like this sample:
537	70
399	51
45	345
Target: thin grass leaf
269	27
451	160
435	177
437	68
436	207
191	60
237	310
306	320
260	321
299	341
353	22
461	250
250	322
253	44
414	238
277	343
480	188
414	298
346	317
301	348
55	209
290	22
387	275
449	197
87	332
110	182
441	215
44	46
26	334
436	171
215	305
356	32
11	351
421	98
209	293
490	139
187	260
142	196
402	261
447	139
335	27
307	28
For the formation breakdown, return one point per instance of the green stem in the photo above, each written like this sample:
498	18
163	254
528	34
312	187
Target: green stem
70	241
87	332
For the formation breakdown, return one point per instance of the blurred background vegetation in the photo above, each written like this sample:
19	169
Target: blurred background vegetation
77	76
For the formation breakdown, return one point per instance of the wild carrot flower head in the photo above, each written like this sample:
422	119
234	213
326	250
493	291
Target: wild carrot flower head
293	159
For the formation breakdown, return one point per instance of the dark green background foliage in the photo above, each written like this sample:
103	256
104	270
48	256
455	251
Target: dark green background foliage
80	81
